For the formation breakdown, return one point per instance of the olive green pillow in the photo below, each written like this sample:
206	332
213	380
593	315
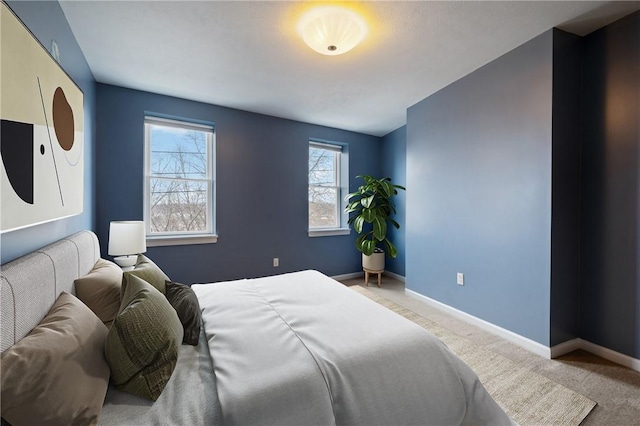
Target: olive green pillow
150	272
142	344
185	302
57	374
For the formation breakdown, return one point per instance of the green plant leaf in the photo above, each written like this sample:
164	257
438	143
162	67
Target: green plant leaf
358	223
367	178
379	228
367	201
391	250
348	197
353	207
368	215
364	245
368	247
387	188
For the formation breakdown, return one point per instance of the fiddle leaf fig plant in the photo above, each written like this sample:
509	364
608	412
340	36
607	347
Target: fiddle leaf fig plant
371	209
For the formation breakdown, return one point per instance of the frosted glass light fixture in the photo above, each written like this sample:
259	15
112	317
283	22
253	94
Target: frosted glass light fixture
127	239
332	30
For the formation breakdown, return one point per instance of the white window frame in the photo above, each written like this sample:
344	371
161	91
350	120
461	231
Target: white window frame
181	237
342	186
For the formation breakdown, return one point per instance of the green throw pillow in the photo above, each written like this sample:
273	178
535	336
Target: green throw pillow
142	344
150	272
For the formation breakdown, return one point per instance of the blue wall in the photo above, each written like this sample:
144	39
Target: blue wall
47	22
610	267
565	196
261	173
393	158
479	166
530	185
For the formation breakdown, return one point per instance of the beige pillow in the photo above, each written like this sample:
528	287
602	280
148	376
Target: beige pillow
57	374
150	272
100	290
142	345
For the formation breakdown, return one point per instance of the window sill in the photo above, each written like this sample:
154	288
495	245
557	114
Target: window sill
329	232
180	240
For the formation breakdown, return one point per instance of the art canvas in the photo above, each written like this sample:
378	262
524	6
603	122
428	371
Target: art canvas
41	132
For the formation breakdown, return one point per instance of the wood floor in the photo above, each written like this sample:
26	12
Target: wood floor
614	388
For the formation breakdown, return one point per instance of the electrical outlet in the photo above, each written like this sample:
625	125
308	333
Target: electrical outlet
276	262
460	278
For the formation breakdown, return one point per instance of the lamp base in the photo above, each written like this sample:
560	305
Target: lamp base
126	262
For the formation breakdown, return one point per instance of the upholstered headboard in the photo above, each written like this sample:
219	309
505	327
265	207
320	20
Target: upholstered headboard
31	284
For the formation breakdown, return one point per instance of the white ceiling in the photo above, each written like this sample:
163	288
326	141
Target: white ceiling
247	55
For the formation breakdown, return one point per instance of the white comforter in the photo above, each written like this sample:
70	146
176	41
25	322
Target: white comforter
302	349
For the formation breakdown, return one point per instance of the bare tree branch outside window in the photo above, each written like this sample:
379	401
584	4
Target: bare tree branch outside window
324	190
178	180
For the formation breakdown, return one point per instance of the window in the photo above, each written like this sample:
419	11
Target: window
327	164
179	184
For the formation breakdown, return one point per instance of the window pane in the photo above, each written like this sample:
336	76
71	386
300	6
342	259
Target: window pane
177	152
178	205
322	167
323	208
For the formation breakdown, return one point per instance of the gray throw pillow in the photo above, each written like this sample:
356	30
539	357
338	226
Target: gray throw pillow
150	272
142	344
185	302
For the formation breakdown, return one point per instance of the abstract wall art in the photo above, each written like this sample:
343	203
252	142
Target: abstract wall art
41	132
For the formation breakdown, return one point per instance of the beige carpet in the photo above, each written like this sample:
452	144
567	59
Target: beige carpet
529	398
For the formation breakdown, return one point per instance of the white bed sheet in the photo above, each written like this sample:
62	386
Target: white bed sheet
189	399
302	349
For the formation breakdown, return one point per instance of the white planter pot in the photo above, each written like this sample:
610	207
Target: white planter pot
375	262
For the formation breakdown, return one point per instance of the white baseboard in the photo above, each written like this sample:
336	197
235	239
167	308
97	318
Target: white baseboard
601	351
526	343
566	347
530	345
611	355
394	276
348	276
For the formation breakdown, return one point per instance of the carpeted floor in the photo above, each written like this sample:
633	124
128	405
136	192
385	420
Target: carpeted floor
528	398
614	388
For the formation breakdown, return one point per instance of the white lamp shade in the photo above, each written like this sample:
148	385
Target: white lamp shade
127	237
332	30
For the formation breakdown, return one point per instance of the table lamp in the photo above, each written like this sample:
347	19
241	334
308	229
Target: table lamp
127	239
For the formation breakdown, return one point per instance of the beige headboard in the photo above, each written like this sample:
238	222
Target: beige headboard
31	284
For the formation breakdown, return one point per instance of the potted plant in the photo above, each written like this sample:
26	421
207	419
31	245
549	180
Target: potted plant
371	210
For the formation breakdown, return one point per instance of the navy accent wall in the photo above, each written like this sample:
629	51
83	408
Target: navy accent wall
47	22
393	160
610	267
262	193
479	162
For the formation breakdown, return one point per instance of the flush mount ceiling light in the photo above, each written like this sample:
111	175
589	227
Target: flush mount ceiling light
332	30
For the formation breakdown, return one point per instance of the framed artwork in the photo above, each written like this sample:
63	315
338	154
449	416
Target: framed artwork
41	132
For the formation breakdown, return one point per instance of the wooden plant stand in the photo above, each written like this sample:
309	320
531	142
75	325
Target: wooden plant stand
369	271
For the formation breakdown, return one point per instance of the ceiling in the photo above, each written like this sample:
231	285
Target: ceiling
247	54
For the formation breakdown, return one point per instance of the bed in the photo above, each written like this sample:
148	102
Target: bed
291	349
